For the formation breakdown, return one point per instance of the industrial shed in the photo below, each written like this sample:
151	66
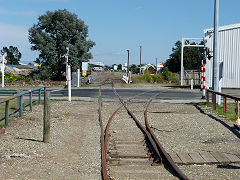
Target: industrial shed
229	56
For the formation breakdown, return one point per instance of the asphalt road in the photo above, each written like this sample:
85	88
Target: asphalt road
157	94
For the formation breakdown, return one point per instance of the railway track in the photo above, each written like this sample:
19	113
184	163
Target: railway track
131	150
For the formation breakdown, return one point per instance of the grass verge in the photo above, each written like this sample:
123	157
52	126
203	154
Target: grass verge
230	114
13	110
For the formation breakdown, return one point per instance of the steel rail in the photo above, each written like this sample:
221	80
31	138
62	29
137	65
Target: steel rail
103	152
155	146
110	120
166	158
140	126
106	132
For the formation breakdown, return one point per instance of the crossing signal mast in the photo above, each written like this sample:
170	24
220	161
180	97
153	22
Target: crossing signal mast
3	61
68	76
189	42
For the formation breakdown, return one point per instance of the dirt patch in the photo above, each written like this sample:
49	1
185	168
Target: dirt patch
73	151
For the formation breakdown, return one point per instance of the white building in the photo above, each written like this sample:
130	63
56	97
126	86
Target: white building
229	56
160	66
99	66
124	66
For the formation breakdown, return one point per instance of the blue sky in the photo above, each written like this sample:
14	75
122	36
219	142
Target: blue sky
118	25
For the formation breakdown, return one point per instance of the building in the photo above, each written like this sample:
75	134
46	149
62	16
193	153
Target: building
160	66
96	66
124	67
148	67
229	56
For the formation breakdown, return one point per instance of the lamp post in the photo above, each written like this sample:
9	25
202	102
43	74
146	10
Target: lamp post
128	64
215	81
156	65
140	59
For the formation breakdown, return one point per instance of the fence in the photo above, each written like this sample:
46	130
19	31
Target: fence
194	75
19	96
225	96
20	101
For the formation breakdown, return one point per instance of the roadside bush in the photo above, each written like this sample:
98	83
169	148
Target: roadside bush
166	74
169	76
10	78
148	78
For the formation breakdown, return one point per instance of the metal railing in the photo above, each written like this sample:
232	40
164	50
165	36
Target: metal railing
20	105
225	96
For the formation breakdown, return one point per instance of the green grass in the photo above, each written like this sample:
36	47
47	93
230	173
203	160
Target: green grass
13	108
230	114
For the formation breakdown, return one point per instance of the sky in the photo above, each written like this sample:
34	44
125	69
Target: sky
118	25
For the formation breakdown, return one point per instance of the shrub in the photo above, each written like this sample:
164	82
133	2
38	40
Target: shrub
148	78
10	78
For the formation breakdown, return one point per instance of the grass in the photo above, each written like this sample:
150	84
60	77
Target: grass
230	114
13	109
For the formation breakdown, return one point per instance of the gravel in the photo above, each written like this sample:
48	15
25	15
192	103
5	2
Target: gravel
74	150
183	128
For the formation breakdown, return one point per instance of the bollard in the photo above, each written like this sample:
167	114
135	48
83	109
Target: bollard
46	117
6	113
191	84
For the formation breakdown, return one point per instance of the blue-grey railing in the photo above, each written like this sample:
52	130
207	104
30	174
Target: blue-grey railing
20	96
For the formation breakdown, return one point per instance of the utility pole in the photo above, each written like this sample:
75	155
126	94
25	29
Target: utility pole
128	64
156	65
215	80
182	68
140	59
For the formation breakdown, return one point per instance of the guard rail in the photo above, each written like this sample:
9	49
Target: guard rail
225	96
20	96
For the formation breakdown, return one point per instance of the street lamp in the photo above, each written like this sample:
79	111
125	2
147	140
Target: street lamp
156	65
140	57
128	64
215	80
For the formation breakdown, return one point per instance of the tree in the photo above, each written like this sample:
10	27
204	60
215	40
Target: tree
134	69
192	58
13	55
51	35
119	67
